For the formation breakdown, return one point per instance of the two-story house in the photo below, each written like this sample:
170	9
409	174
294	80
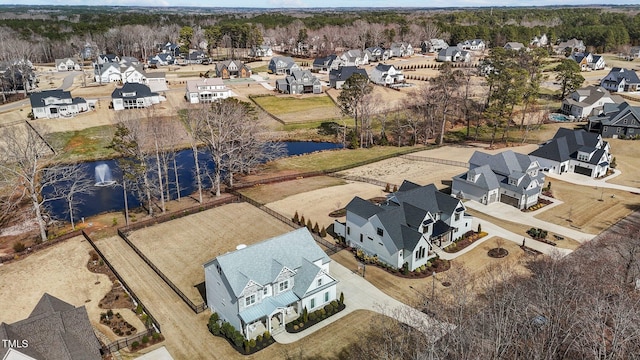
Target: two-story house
386	75
376	53
67	64
232	69
588	101
620	79
473	45
354	57
53	104
261	51
588	61
401	49
617	121
574	151
206	90
405	228
299	82
134	96
282	65
263	286
326	63
107	72
570	46
433	45
506	177
453	54
337	77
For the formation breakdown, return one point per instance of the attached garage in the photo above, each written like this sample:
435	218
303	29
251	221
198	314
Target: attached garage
510	200
582	170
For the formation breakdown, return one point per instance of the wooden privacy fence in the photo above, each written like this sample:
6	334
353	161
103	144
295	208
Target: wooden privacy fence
435	160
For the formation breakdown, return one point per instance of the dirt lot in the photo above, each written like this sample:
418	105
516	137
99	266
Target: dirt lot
583	210
411	291
316	205
626	154
277	191
62	273
180	247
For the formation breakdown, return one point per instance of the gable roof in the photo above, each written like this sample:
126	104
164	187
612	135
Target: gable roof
619	74
383	67
37	98
504	163
615	114
324	61
566	143
344	72
140	91
55	330
290	250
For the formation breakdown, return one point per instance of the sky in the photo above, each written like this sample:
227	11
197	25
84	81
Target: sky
323	3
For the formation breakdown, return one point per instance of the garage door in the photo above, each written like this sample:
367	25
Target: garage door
582	170
509	200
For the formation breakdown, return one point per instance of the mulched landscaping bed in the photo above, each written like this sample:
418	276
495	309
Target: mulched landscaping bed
437	265
498	253
466	241
320	315
541	203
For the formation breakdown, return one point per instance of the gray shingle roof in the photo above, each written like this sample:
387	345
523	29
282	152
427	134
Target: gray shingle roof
262	262
140	91
37	98
55	330
565	145
345	72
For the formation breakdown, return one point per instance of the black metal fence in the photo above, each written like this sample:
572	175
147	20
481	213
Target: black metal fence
196	308
117	345
127	342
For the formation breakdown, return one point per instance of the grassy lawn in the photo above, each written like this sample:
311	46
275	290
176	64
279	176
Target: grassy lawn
583	210
90	143
626	154
259	69
327	160
535	135
278	105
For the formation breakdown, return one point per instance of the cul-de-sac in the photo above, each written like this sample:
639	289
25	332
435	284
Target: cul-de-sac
298	181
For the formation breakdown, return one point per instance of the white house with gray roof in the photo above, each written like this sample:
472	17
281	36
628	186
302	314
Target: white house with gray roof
384	74
506	177
588	101
405	228
53	104
574	151
67	64
621	79
263	286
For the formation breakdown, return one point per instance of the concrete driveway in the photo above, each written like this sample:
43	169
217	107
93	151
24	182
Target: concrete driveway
359	294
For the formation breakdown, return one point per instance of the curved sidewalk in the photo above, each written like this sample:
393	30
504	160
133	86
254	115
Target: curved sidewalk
359	294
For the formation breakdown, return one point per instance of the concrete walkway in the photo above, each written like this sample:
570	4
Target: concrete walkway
587	181
493	230
260	80
508	212
359	294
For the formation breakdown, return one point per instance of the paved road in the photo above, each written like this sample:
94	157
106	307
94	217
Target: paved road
359	294
67	82
185	332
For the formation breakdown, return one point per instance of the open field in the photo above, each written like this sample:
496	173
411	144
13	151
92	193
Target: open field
299	108
626	154
277	191
61	271
179	247
411	291
583	210
316	205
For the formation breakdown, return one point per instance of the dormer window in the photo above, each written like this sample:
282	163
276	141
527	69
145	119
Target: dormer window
284	285
319	282
250	300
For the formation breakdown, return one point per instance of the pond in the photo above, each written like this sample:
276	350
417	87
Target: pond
108	197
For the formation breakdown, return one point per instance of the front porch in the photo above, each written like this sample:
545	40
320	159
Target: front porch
270	315
272	323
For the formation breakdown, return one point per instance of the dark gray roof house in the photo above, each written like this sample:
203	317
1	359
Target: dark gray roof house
575	151
617	121
507	177
55	330
406	227
337	77
324	63
620	79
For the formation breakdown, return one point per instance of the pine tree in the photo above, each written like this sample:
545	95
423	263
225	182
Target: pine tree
296	218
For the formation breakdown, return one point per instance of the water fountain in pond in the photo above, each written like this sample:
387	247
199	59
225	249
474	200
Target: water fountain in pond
103	175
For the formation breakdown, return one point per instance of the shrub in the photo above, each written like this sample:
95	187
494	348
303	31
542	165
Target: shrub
267	335
395	188
114	221
387	188
252	343
309	225
295	327
302	221
145	339
328	308
135	345
335	305
155	336
296	218
19	247
423	267
259	338
341	297
246	346
316	229
109	313
479	228
313	316
139	309
305	315
323	232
